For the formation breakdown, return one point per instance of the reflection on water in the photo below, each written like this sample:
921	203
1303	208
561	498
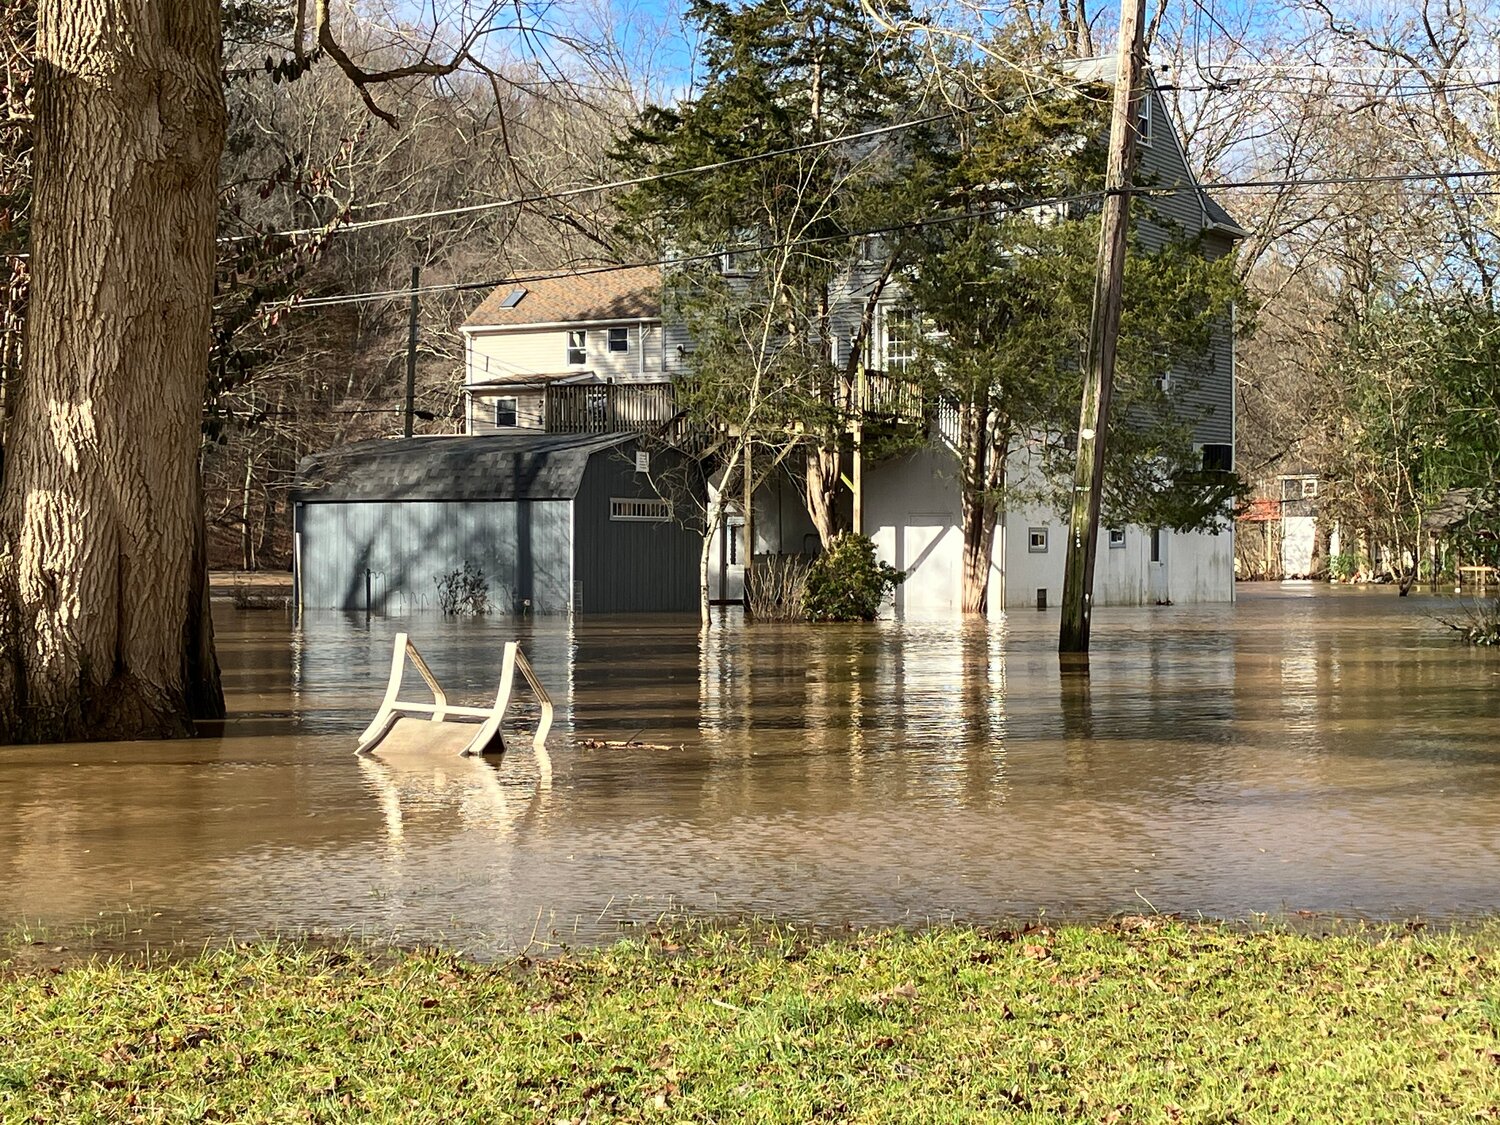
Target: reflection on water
1305	749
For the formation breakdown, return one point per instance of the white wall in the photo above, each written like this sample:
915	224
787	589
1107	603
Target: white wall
530	411
912	513
1297	534
525	353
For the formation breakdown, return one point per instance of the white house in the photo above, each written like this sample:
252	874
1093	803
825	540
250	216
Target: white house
575	354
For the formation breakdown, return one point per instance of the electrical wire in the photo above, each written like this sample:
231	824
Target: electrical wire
749	248
569	193
1146	191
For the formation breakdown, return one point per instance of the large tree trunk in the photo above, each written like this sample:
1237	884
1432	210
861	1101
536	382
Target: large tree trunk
104	609
821	488
979	516
982	461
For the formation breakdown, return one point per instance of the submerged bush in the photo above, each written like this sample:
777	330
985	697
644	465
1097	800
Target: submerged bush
778	584
1480	624
847	582
1343	567
464	592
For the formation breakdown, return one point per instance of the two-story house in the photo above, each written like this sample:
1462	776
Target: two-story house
585	353
580	353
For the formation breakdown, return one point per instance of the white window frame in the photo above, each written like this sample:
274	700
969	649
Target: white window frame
1116	538
1146	120
515	411
1036	540
578	347
904	319
1309	488
622	340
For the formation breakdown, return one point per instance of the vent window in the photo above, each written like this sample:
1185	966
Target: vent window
632	510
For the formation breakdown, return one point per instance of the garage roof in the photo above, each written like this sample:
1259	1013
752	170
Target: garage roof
518	466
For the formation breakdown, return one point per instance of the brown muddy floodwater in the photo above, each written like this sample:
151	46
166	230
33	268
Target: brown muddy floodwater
1304	750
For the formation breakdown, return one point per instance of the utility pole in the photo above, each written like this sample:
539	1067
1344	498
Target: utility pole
411	353
1104	333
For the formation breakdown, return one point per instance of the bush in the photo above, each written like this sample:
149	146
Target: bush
778	583
1343	567
1480	626
847	582
464	592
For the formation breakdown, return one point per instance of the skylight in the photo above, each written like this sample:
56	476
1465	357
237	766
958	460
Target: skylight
513	298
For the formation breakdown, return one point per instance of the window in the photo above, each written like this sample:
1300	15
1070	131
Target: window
1116	537
1036	540
506	410
578	353
630	510
1156	544
1143	129
1218	458
900	338
1299	488
619	339
741	258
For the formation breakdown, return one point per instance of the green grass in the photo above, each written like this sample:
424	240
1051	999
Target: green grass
1151	1022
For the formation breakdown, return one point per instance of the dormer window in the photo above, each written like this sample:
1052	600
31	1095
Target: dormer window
578	352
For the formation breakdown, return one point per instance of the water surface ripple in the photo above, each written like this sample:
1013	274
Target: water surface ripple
1304	750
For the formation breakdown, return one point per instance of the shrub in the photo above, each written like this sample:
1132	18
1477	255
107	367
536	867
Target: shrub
1481	624
1343	567
847	582
464	592
778	583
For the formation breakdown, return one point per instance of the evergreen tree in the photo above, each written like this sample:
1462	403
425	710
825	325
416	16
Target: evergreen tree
774	279
1003	301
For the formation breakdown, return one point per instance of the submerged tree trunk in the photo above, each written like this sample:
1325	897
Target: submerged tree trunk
982	472
979	518
104	624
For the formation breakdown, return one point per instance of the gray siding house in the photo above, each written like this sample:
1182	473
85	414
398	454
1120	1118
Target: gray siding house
556	523
593	353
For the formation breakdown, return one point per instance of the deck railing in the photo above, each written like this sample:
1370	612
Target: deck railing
612	408
609	408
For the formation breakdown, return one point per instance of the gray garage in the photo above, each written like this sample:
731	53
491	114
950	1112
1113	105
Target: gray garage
555	523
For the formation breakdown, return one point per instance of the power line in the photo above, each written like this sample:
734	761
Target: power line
938	220
568	193
1346	181
1146	191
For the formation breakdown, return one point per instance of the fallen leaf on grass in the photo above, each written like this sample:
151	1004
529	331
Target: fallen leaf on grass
902	992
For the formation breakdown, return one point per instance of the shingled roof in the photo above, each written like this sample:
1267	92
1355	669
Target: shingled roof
518	466
625	294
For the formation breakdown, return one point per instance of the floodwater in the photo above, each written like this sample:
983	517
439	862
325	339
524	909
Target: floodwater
1307	749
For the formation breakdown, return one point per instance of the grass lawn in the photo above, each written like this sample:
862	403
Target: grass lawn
1147	1021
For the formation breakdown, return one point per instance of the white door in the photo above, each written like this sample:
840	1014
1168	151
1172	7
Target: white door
1156	568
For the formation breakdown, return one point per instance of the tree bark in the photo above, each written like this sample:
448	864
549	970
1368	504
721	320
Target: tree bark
821	482
104	623
982	465
979	516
